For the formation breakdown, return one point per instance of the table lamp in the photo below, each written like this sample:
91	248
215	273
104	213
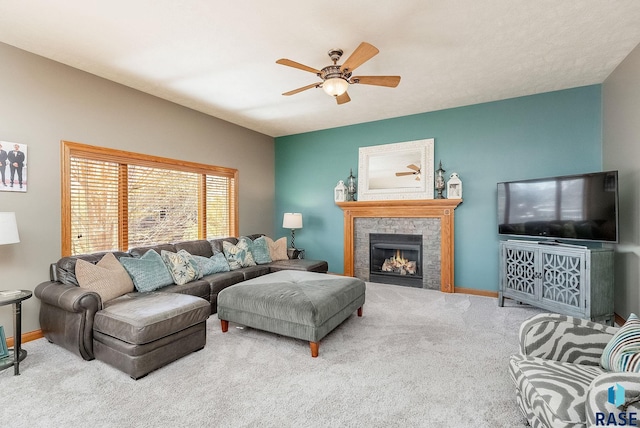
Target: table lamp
292	221
9	228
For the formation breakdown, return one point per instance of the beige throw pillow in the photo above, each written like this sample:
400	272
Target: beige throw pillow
107	278
277	249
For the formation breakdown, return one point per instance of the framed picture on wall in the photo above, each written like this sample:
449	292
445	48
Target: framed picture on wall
13	167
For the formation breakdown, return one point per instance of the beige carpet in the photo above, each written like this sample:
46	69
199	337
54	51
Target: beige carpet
417	358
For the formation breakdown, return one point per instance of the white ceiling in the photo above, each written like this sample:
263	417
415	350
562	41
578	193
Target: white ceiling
220	57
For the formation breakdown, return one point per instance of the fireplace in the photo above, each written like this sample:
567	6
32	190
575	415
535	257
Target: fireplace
395	259
434	218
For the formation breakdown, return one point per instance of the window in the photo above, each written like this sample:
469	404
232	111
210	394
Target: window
116	200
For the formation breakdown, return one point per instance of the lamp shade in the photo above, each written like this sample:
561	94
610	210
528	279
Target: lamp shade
292	221
8	228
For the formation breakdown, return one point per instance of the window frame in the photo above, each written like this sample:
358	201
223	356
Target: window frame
123	159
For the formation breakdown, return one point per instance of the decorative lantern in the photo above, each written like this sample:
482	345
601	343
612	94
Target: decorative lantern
440	181
340	192
351	186
454	187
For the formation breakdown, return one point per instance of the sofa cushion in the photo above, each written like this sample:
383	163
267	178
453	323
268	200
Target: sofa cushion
217	244
199	288
148	272
182	267
200	247
622	353
107	277
238	255
210	265
260	250
554	390
278	249
140	318
140	251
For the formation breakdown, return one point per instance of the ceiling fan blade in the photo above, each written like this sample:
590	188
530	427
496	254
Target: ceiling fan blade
344	98
362	54
389	81
401	174
414	167
289	63
304	88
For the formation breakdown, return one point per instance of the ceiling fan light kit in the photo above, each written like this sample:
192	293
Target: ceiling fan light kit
335	86
337	78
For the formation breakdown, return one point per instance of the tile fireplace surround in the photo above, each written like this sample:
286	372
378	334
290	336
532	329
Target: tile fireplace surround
441	210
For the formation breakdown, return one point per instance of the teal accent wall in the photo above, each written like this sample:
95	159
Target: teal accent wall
549	134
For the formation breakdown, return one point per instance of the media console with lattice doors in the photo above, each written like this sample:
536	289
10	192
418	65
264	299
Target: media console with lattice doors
567	279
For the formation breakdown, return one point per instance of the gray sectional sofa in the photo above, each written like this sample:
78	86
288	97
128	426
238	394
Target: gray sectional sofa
76	319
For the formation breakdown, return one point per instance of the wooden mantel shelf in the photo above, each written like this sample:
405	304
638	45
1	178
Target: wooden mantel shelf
424	208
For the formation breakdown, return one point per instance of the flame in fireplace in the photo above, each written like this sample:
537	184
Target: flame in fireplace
398	264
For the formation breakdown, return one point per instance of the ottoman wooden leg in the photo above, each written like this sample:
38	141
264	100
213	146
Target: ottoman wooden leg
225	325
360	311
314	348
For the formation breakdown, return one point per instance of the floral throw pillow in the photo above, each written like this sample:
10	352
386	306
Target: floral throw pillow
181	266
238	255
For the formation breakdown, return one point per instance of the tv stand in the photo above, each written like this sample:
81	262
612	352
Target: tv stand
563	278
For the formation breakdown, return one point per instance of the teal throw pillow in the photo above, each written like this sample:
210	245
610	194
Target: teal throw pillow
238	255
260	250
622	353
182	267
148	272
210	265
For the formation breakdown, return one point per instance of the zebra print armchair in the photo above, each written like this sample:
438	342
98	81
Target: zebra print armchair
558	377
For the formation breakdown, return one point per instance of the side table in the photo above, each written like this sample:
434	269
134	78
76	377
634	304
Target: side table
295	253
17	354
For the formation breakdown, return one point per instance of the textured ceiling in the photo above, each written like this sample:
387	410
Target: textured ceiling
219	57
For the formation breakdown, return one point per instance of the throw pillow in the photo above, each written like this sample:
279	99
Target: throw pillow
260	250
107	277
278	249
148	272
210	265
238	255
181	266
622	353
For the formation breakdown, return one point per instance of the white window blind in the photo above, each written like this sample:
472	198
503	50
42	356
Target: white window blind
115	200
163	206
94	205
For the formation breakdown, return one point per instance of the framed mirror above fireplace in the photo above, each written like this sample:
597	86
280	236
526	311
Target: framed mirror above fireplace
398	171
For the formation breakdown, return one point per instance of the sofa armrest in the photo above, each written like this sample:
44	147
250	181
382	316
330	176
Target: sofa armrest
564	338
67	297
66	316
597	406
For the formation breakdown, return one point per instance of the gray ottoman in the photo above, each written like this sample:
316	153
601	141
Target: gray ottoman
303	305
141	332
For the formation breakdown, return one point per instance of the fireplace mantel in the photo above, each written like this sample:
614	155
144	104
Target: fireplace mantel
442	209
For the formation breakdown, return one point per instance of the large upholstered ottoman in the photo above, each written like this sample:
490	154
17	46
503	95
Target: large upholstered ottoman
140	332
303	305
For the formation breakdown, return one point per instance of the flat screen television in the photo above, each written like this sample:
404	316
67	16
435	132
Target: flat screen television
580	207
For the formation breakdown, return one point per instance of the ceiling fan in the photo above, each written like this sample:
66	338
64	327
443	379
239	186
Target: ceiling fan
337	78
416	172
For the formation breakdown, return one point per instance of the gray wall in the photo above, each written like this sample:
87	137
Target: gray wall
44	102
621	151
